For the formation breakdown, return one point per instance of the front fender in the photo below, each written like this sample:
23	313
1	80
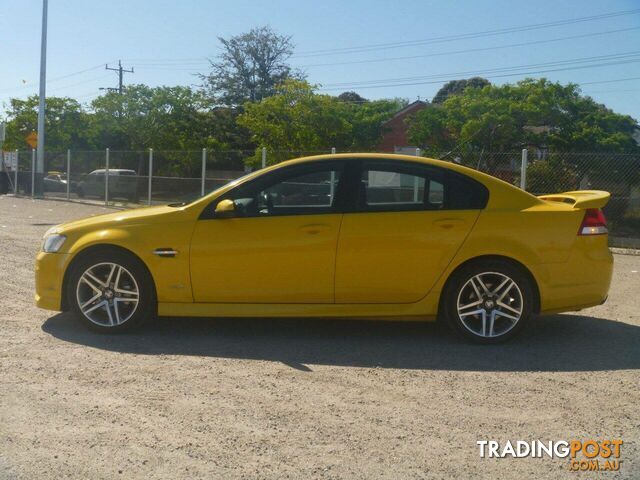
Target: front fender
170	274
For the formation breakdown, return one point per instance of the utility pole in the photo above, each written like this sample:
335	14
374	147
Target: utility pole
41	101
121	71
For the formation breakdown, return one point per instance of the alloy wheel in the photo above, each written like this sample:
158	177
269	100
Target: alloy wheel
107	294
490	304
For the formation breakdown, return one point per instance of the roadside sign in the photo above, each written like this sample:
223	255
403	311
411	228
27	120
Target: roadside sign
8	161
32	139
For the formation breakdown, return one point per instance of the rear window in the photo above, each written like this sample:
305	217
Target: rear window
398	186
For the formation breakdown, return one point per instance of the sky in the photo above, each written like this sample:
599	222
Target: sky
379	49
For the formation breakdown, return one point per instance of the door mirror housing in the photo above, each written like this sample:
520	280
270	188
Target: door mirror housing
225	209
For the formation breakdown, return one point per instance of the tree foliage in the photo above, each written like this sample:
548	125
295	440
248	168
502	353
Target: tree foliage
65	123
297	118
455	87
250	66
530	112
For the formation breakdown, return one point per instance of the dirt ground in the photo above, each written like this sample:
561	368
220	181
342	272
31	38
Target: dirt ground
204	398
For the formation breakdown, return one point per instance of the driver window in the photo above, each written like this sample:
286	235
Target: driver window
307	193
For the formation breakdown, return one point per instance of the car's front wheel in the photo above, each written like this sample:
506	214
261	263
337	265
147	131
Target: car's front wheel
488	301
111	291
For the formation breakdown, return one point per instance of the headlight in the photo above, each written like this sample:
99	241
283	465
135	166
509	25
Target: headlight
53	242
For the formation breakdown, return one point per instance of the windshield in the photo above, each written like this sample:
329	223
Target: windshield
192	198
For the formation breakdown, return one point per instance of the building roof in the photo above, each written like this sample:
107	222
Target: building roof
417	105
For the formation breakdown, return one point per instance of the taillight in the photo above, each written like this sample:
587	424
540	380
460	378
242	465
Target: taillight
593	223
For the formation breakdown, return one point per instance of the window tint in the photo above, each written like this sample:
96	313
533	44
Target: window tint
392	188
402	186
304	191
310	191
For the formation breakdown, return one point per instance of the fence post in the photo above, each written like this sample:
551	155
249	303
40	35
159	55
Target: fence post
15	174
106	177
204	171
418	152
68	173
150	176
264	157
523	170
33	172
333	150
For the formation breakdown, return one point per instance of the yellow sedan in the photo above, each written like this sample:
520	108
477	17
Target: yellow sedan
350	235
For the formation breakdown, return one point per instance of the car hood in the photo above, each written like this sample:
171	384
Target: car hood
147	215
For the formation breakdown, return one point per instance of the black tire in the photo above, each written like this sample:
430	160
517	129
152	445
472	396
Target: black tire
98	261
492	273
80	192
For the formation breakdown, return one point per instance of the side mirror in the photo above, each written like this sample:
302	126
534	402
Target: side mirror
225	209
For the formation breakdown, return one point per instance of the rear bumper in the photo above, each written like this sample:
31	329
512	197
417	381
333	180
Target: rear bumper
581	282
49	273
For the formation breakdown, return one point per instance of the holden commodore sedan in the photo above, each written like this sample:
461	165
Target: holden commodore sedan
352	235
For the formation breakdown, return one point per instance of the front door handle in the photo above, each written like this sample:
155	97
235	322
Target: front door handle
165	252
447	223
314	228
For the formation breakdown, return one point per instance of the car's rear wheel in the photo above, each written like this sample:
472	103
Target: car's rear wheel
80	192
488	301
111	291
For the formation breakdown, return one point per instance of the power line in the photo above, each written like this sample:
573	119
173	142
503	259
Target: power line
616	56
611	81
501	75
471	50
199	61
52	80
463	36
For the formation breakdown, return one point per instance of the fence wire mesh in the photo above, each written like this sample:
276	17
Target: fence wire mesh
146	177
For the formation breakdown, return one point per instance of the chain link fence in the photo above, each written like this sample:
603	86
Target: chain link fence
156	177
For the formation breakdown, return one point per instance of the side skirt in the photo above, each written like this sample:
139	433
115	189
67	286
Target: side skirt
405	312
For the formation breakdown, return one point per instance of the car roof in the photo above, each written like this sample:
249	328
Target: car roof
395	157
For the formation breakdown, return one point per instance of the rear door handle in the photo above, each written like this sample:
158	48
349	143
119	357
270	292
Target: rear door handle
448	222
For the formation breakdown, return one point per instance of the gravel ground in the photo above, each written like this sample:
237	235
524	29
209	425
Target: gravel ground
204	398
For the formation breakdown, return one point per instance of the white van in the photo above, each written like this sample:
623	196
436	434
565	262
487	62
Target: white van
122	183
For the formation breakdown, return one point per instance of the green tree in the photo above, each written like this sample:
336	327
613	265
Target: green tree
500	118
296	119
66	123
352	97
455	87
249	67
171	120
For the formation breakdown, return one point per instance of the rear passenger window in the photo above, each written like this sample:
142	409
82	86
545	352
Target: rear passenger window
404	186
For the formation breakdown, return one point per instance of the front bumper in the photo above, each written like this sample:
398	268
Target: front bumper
49	271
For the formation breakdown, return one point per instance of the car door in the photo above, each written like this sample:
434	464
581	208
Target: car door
280	245
409	221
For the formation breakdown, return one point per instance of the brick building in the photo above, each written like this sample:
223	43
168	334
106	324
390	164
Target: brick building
394	139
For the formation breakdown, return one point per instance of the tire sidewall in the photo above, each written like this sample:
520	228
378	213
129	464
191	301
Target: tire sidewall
460	278
146	301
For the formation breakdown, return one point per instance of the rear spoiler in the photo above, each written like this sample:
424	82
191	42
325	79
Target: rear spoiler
580	199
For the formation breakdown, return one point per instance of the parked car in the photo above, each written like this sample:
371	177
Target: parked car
350	235
57	182
123	183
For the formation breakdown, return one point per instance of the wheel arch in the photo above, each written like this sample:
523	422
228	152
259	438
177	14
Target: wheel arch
483	258
92	249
